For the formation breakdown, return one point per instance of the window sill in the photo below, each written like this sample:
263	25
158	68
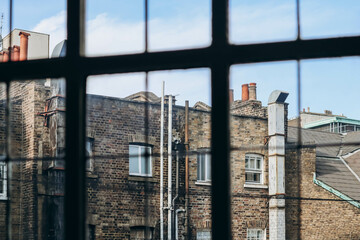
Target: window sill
142	178
252	185
2	198
91	175
203	183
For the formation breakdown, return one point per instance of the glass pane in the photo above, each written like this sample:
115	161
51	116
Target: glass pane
208	167
134	159
114	27
262	21
117	106
36	170
329	18
38	26
179	24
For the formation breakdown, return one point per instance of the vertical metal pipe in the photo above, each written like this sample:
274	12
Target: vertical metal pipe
169	166
187	170
162	163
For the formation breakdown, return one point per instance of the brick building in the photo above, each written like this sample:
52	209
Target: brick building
278	172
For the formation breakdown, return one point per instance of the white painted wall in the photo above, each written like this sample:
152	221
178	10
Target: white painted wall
38	43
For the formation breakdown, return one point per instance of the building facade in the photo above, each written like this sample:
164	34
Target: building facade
278	179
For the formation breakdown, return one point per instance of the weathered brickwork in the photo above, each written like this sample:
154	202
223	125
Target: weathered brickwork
315	219
118	201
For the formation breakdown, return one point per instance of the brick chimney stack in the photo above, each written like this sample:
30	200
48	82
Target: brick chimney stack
24	42
252	91
245	92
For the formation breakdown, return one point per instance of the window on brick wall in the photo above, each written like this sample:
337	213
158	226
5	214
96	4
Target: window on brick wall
254	168
204	167
204	234
140	160
89	154
3	179
256	234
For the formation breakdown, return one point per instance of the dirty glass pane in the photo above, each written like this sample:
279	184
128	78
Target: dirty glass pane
179	24
329	18
262	21
114	27
124	119
36	168
253	149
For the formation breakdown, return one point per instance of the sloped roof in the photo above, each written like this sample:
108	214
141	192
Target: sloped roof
337	158
327	144
351	142
334	173
353	160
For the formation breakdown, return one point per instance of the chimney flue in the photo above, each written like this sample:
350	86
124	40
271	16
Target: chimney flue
231	96
16	50
24	42
252	91
245	92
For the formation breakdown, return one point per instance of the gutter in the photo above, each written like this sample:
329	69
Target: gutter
336	192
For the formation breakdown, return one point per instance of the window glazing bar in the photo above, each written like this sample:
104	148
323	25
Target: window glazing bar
75	197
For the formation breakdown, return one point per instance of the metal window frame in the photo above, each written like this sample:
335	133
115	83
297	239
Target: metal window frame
219	56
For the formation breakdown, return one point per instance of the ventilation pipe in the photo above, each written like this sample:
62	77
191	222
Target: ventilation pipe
276	148
245	92
24	42
252	91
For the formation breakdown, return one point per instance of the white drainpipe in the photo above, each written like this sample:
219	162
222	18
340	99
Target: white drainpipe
162	164
176	222
276	148
169	167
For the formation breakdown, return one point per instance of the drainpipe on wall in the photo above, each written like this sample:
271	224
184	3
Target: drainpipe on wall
276	148
187	232
176	222
169	167
162	164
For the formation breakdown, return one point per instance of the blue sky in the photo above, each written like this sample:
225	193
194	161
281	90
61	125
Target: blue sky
117	27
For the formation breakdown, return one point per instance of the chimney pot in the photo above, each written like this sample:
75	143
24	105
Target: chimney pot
24	42
231	96
252	91
245	92
16	53
308	109
5	56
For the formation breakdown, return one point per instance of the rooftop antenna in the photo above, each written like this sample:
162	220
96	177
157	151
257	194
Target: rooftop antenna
1	27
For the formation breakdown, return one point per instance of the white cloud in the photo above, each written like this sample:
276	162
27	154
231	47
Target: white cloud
54	26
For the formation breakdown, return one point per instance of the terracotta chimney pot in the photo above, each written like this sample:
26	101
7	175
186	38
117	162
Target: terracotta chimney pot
252	91
5	56
231	96
24	42
245	92
16	50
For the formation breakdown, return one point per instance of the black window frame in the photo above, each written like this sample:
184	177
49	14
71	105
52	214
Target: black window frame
218	57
